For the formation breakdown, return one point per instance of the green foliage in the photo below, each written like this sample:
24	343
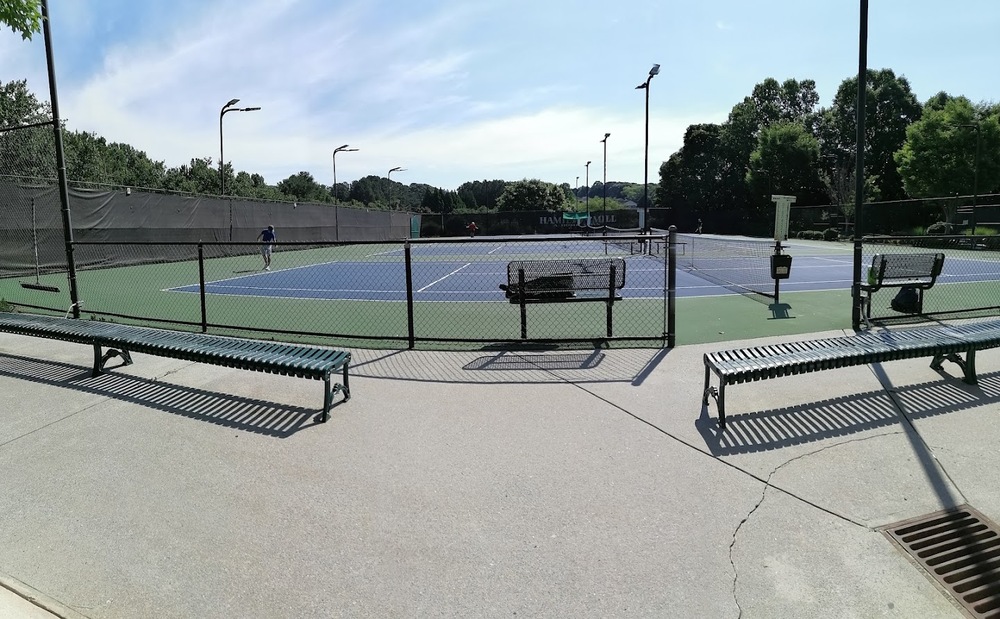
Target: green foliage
5	306
786	163
304	188
890	106
484	194
939	157
831	234
23	16
532	195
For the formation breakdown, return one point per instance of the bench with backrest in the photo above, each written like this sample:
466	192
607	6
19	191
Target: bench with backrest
917	271
110	340
564	281
940	342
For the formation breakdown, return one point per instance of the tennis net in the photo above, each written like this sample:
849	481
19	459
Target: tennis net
740	265
625	240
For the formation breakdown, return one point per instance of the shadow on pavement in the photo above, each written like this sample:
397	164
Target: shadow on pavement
247	414
796	425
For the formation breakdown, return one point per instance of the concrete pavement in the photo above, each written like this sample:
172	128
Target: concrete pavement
479	484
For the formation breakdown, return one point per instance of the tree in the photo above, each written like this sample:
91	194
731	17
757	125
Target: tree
25	152
303	187
200	176
481	193
769	103
786	162
890	108
532	195
23	16
939	155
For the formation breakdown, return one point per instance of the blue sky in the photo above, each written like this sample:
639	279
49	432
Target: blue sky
460	90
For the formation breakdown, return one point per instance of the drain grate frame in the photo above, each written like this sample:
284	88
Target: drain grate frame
959	548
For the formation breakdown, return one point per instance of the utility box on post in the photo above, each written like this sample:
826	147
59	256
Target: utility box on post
781	266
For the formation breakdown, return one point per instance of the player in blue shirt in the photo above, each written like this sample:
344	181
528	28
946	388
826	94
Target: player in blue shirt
268	237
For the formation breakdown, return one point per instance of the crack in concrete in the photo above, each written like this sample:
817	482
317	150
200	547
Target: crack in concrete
763	495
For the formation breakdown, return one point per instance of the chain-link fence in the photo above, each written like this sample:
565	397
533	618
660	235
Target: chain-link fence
899	279
421	293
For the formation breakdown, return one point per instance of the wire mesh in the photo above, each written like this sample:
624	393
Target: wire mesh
430	293
968	286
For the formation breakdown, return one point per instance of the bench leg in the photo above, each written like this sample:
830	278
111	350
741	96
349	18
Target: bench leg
330	391
101	361
968	364
719	395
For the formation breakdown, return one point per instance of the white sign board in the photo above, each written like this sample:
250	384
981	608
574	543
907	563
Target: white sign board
782	211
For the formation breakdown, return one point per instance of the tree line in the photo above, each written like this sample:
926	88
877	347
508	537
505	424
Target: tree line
778	141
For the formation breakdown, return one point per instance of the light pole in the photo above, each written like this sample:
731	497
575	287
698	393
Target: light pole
645	168
587	198
604	183
389	176
975	178
339	149
222	161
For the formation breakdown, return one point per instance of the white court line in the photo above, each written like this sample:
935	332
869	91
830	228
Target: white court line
467	264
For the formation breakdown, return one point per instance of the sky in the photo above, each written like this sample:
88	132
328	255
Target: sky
463	90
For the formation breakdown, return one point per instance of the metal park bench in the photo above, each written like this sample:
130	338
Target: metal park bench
941	342
564	281
303	361
917	271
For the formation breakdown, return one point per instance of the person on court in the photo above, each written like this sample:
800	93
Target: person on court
472	228
267	237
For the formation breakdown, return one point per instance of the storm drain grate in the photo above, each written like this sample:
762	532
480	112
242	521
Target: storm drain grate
960	548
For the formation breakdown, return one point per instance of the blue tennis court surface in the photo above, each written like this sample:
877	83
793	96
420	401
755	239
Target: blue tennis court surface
477	279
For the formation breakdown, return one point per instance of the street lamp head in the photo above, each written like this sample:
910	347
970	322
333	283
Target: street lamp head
341	147
588	164
231	103
250	109
642	86
654	70
396	169
606	136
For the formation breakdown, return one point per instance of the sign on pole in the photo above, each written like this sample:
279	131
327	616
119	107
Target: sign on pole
782	211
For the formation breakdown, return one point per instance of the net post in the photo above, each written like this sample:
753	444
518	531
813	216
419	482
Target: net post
777	281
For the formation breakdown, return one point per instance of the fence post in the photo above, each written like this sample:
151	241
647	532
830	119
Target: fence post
201	286
409	294
670	273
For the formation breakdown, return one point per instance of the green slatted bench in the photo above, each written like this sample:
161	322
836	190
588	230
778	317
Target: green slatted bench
111	340
941	342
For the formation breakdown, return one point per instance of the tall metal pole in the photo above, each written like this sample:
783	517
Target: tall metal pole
975	183
389	176
604	183
60	162
339	149
645	169
587	198
228	107
859	164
